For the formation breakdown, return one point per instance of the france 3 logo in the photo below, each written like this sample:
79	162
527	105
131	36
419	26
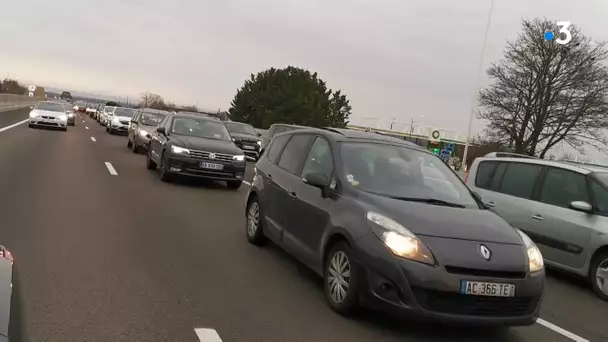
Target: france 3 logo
564	35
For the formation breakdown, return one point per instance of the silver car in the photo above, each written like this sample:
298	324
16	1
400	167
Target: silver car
105	114
49	114
563	207
120	120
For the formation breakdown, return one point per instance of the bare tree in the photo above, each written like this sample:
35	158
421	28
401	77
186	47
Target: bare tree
544	93
151	100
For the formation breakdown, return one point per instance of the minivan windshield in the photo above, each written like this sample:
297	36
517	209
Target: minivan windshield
242	128
151	119
402	173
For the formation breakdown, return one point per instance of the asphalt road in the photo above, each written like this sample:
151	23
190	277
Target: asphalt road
127	257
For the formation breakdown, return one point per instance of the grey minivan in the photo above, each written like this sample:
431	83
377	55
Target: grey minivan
562	207
388	225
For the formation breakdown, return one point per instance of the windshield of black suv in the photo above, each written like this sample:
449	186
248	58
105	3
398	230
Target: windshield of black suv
50	107
151	119
128	112
401	172
202	128
237	127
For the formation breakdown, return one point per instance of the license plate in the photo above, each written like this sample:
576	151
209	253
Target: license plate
247	147
212	166
478	288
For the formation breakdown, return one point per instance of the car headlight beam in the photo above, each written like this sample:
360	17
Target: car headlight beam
399	240
259	142
239	158
179	150
535	258
143	133
33	114
62	117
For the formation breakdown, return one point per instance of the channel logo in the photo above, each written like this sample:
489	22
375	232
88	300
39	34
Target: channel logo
564	35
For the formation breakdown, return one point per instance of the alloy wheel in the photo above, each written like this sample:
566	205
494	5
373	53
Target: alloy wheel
338	278
601	276
253	218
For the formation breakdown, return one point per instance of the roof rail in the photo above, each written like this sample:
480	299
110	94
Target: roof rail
332	129
508	155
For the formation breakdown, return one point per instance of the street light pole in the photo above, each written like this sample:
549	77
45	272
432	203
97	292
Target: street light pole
477	81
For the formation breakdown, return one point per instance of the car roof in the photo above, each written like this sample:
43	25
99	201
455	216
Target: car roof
344	134
192	116
287	125
572	166
155	111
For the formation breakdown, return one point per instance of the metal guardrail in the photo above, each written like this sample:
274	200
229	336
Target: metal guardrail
13	101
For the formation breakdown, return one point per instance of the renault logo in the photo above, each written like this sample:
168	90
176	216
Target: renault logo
211	155
485	252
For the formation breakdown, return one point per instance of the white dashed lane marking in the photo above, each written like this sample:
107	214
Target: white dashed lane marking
561	331
111	169
207	335
93	139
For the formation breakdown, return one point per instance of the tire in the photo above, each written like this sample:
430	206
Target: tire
165	175
600	260
129	143
234	185
255	234
111	131
150	164
65	129
347	303
30	126
107	129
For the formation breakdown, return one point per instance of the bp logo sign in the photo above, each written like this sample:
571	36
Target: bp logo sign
435	135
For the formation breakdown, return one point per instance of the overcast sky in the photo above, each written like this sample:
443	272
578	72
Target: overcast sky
399	59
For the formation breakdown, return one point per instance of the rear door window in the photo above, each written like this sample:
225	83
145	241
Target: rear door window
519	180
561	187
295	152
276	146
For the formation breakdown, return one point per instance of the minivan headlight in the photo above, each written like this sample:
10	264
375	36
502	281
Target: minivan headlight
535	258
179	150
402	242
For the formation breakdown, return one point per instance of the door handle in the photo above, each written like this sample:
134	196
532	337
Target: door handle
491	204
537	217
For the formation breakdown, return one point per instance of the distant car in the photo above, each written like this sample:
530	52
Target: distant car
359	210
277	129
70	113
98	111
66	95
91	109
195	146
105	114
79	106
245	137
49	114
120	120
143	123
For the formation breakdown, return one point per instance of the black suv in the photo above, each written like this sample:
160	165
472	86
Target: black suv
245	137
194	145
388	225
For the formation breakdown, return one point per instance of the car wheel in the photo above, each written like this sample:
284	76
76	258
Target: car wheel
165	175
64	129
30	126
340	279
255	232
111	131
234	185
598	274
150	164
129	143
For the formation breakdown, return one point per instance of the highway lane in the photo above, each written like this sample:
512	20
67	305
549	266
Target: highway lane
106	257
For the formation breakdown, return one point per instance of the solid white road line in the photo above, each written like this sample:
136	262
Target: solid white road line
93	139
111	169
561	331
207	335
6	128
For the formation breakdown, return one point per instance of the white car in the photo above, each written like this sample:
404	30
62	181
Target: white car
120	120
105	114
49	114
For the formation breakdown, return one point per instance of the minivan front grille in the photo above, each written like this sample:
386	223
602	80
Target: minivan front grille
206	155
485	273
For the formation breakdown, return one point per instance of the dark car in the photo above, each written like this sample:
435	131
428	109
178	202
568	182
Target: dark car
193	145
143	123
245	137
389	226
6	297
278	129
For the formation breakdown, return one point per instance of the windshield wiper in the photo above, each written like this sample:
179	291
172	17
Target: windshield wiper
433	201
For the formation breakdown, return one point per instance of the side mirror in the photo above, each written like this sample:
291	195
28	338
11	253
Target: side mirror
161	130
133	121
318	180
259	134
581	206
237	141
148	136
